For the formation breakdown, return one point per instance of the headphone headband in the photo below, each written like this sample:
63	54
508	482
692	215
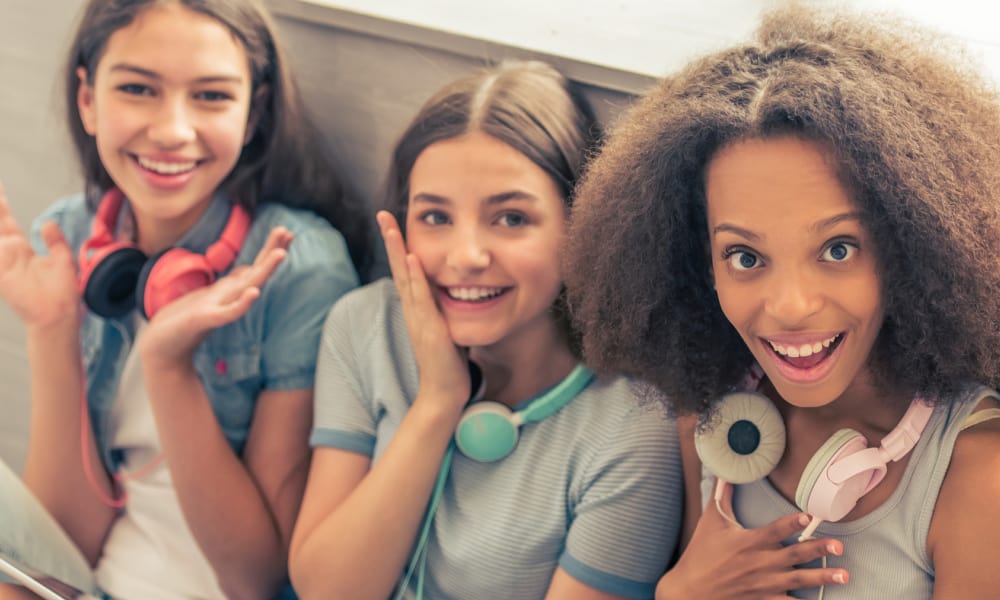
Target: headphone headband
559	396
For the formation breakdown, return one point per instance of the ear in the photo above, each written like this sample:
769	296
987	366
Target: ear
85	102
256	107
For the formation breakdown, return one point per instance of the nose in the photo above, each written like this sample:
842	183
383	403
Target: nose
793	296
172	124
469	251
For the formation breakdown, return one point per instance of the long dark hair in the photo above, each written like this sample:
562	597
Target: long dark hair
284	161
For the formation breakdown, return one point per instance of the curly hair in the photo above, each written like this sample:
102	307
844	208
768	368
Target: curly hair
916	140
526	104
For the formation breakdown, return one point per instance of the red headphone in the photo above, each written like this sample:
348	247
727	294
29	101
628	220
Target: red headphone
115	276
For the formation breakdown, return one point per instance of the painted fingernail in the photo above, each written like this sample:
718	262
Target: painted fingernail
839	578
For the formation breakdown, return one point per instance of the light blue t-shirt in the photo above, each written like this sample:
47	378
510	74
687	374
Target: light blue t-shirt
595	488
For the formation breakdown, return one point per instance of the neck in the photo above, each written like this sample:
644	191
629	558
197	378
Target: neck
518	369
153	234
864	407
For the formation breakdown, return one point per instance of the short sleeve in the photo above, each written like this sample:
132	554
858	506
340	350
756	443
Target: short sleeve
315	273
343	417
57	213
627	516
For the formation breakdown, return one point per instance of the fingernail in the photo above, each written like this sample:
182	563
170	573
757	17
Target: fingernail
833	549
839	578
804	520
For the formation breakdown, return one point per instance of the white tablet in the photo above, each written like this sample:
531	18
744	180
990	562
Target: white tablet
49	588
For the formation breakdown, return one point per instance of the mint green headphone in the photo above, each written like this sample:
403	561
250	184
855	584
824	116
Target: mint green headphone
488	431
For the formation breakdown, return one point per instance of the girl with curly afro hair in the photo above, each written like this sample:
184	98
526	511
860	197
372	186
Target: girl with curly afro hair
813	218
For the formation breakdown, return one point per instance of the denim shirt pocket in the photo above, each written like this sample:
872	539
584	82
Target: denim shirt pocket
230	372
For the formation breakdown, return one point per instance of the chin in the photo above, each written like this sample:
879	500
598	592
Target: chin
473	339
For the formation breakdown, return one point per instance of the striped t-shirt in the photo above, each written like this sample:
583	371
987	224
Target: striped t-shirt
595	489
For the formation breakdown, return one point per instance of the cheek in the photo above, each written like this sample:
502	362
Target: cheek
429	251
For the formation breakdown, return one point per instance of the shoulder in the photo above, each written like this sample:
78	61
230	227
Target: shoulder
966	518
369	303
316	241
317	257
71	214
369	313
623	417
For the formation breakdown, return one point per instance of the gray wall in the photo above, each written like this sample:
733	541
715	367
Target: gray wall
362	89
35	166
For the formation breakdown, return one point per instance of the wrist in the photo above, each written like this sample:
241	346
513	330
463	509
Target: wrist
165	368
434	414
67	326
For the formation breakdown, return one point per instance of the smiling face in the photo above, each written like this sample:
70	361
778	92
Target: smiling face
168	105
487	225
795	270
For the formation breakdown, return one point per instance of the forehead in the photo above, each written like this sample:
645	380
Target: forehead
476	166
774	183
173	40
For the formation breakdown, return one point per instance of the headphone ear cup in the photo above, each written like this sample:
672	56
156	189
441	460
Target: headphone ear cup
108	279
746	441
486	432
824	493
169	275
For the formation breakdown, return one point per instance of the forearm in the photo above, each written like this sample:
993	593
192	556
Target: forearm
225	510
54	461
380	517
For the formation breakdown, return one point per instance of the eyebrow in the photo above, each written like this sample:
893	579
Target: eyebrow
818	227
825	224
154	75
737	230
495	199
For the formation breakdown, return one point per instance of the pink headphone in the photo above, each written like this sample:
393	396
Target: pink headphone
115	276
749	439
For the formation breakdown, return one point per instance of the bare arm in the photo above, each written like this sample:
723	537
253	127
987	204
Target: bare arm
351	513
962	541
240	513
42	291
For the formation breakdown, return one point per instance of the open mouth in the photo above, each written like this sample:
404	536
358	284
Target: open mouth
805	356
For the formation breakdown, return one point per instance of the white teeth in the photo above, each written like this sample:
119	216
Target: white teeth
803	350
166	168
473	294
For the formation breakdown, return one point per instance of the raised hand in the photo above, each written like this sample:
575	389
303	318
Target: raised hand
42	290
444	375
176	329
725	561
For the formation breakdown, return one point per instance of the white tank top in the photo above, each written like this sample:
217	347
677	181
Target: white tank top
150	553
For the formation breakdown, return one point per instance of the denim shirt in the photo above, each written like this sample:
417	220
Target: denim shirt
272	347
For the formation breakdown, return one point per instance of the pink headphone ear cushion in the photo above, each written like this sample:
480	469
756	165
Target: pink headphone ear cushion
818	494
168	276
